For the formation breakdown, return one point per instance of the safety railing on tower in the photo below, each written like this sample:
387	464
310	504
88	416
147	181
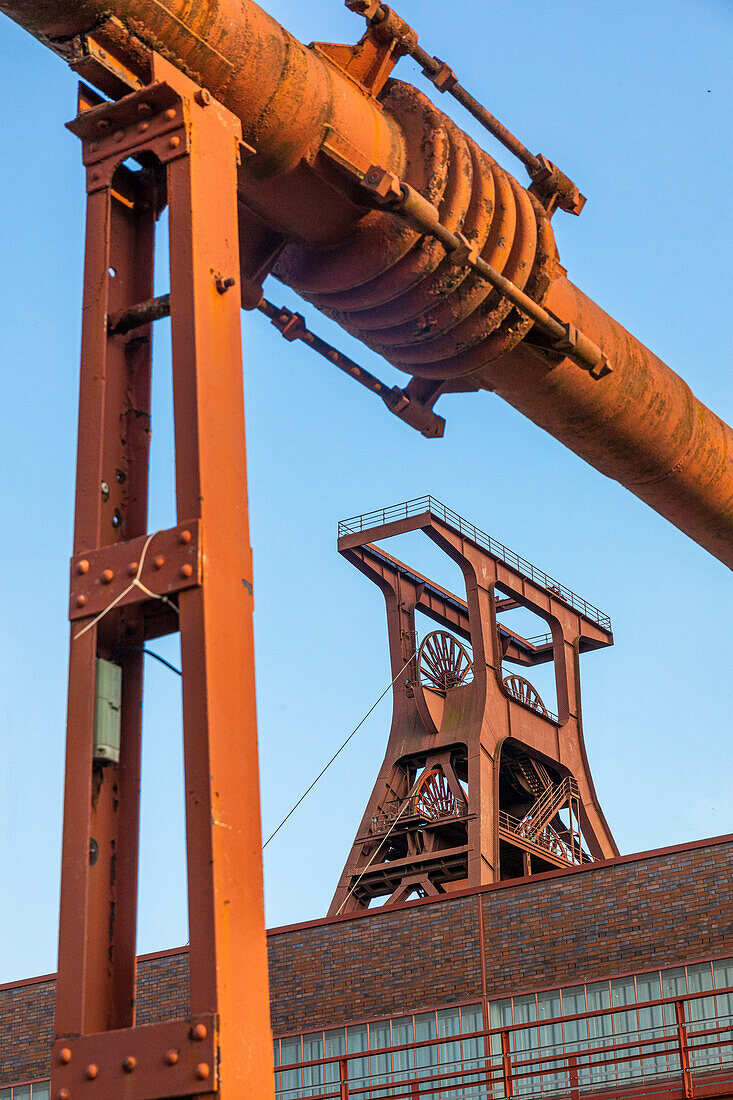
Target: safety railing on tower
519	564
678	1047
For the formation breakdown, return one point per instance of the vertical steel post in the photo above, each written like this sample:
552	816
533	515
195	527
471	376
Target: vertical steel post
96	982
506	1065
344	1078
191	147
228	957
684	1049
573	1077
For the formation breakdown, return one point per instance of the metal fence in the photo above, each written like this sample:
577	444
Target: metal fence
677	1047
408	508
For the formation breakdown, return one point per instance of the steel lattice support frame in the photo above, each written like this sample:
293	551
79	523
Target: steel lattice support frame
190	146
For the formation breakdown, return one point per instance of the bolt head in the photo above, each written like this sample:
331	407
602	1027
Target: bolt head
174	142
186	571
108	576
96	174
93	146
199	1032
202	1071
142	127
158	561
82	567
91	1071
202	97
184	538
132	568
130	1063
144	110
64	1056
118	136
63	1094
103	125
81	601
170	114
171	1057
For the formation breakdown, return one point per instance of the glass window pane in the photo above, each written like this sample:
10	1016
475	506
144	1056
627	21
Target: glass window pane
701	1013
40	1090
22	1092
356	1041
288	1082
600	1033
472	1053
425	1028
655	1060
4	1094
723	977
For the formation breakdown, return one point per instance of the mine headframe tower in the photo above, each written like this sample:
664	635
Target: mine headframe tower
480	780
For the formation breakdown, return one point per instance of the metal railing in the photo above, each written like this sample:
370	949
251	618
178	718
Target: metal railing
383	821
684	1052
497	549
546	838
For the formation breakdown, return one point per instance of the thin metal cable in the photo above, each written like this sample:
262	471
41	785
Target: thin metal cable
330	762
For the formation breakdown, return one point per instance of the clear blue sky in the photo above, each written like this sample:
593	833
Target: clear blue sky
634	101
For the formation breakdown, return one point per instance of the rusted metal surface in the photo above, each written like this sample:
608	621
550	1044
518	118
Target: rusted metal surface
167	1059
411	410
501	767
550	184
315	128
200	574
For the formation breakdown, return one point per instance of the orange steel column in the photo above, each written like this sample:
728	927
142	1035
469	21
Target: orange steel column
128	586
228	959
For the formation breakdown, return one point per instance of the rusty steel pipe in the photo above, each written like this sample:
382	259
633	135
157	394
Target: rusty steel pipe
396	289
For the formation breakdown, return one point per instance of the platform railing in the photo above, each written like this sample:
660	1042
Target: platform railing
418	505
686	1053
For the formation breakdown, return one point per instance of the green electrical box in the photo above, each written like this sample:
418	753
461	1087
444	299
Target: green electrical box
107	705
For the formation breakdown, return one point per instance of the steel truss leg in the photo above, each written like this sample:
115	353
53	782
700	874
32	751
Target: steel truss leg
190	147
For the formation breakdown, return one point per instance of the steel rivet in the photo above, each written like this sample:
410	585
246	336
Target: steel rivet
133	568
107	576
202	97
202	1071
63	1094
170	114
81	601
171	1057
129	1064
118	136
184	538
96	174
143	126
158	561
103	125
64	1056
144	109
199	1032
82	567
174	142
94	145
186	570
91	1071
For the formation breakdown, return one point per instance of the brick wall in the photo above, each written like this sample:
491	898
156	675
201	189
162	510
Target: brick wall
375	966
625	915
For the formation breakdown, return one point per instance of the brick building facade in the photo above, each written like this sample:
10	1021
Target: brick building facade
638	913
